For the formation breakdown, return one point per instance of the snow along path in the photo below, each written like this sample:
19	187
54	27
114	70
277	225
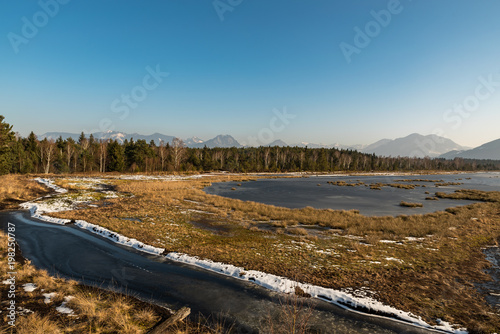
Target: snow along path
268	281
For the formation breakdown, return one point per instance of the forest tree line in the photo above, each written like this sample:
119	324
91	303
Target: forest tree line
88	154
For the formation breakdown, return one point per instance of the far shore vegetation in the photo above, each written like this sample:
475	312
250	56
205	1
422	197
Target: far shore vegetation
89	154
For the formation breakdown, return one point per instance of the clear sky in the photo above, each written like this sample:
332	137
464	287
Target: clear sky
351	72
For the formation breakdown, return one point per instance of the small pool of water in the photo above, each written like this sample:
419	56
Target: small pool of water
491	289
315	191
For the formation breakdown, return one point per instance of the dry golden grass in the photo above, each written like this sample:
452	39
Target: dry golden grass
36	324
15	189
292	317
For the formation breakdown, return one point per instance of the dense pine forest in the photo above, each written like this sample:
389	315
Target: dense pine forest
88	154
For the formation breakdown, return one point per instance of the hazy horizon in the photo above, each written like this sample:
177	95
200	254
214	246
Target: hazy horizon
349	73
243	141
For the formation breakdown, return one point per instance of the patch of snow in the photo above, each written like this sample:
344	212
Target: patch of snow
160	177
394	259
118	238
194	202
196	211
414	239
59	202
29	287
63	308
327	251
23	311
270	281
352	237
285	285
50	184
48	297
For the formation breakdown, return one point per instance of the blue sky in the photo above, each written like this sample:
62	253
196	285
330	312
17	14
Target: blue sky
429	67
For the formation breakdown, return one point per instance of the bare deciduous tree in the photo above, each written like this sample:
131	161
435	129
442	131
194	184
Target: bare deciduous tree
103	150
47	149
178	151
70	149
84	146
267	152
162	152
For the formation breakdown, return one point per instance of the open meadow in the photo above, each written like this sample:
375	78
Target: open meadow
424	264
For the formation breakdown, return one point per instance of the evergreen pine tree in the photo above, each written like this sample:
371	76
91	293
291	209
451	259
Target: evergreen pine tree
116	159
6	142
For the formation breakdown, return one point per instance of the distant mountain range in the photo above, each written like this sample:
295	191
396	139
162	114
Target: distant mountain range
219	141
490	150
414	145
114	135
193	142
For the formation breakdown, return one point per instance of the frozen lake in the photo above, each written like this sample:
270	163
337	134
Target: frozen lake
302	192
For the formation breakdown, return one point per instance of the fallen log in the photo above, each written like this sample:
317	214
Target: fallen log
175	318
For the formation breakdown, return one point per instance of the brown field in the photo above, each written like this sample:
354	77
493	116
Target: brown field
15	189
438	255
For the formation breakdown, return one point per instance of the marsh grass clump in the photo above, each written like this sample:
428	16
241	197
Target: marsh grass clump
474	195
444	184
37	324
402	186
345	184
293	315
419	180
411	205
298	231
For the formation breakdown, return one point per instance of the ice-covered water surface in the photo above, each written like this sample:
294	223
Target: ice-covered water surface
317	193
492	288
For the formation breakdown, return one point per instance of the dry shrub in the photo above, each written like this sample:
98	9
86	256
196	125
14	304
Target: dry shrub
144	316
297	231
86	304
279	224
36	324
292	317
